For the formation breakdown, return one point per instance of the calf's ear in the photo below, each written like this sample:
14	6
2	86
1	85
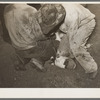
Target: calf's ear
66	63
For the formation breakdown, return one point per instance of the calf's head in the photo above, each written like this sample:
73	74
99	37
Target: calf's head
62	51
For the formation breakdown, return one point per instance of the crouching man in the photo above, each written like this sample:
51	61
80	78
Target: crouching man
30	30
78	26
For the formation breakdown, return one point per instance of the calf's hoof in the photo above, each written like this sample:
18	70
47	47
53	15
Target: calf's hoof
70	64
41	70
39	67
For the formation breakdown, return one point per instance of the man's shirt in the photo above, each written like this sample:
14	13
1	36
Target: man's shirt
76	16
22	26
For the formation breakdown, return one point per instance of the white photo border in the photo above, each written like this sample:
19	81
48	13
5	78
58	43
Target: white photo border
50	92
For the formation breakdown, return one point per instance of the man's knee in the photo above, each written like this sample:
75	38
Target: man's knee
85	59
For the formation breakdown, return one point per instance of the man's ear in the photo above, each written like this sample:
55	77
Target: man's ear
57	36
63	28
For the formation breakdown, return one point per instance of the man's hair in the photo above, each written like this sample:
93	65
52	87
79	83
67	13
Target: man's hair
48	12
51	16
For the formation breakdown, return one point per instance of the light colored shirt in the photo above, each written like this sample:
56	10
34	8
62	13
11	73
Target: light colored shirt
78	26
22	26
76	16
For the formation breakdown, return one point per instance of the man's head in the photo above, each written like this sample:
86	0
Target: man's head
50	16
49	12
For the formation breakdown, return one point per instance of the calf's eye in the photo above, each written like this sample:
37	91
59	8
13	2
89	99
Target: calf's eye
57	55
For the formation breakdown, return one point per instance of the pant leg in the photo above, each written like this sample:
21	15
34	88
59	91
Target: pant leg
42	52
77	45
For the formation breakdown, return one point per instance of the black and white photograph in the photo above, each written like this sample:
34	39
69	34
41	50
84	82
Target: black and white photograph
49	45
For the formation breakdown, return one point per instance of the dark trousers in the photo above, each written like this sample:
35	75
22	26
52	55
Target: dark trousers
42	52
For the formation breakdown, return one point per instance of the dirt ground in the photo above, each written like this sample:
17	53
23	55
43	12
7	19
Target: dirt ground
54	77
